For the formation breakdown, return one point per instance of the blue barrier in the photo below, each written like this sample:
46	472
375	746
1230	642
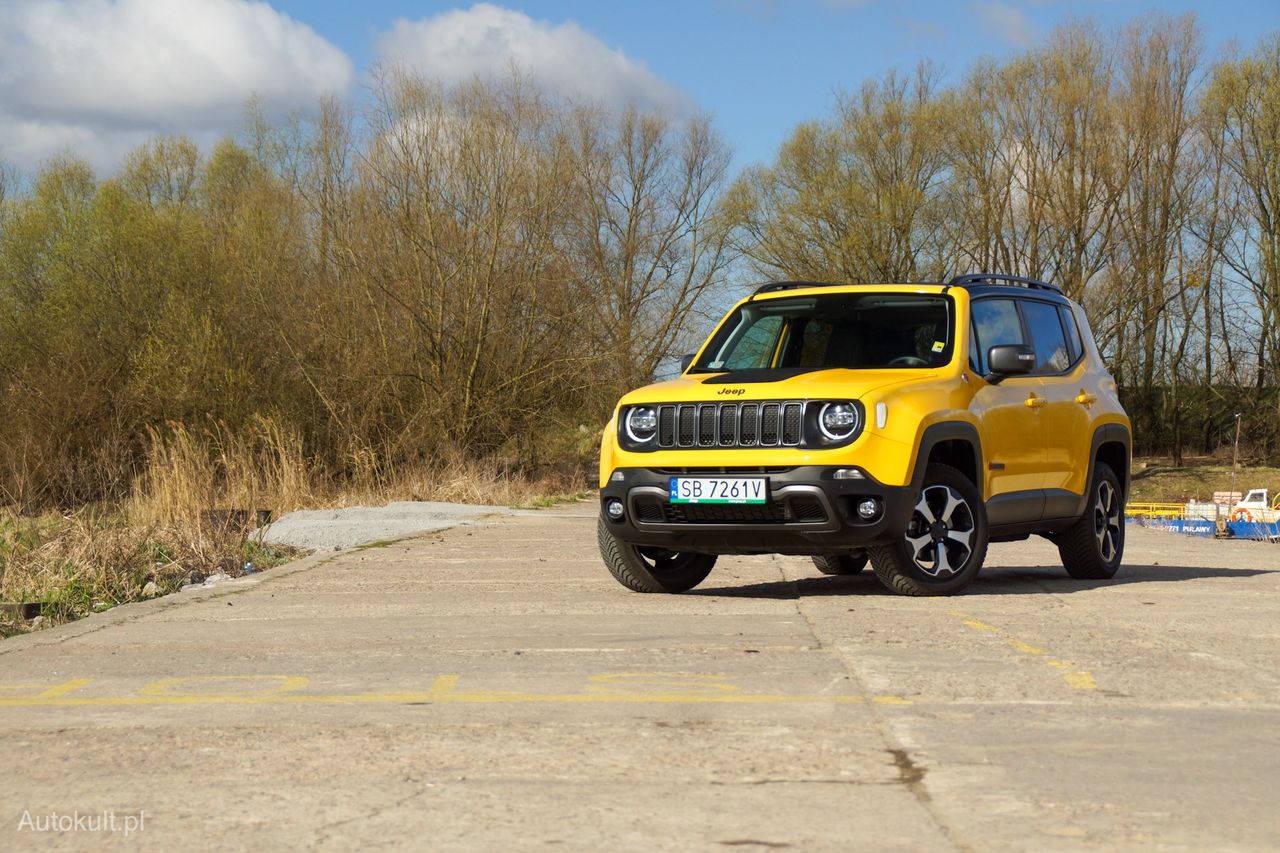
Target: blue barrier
1264	531
1189	526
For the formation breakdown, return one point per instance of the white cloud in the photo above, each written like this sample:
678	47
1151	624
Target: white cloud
1007	22
100	76
486	41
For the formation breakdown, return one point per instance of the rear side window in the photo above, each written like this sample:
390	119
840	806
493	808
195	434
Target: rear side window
995	323
1074	344
1047	336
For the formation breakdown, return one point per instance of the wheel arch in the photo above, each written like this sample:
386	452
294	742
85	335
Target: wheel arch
1111	445
953	443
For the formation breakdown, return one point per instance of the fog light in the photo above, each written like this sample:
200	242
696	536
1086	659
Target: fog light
849	474
613	508
868	508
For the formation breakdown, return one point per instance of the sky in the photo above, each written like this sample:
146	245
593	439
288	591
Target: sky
98	77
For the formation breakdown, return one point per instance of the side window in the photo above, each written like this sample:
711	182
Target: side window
995	322
755	350
1046	336
1074	346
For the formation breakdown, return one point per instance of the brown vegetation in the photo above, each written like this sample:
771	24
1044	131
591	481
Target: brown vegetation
468	279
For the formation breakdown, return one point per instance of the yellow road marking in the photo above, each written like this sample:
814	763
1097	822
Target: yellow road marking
1080	680
444	683
1077	679
443	690
632	683
43	691
1026	649
183	686
60	690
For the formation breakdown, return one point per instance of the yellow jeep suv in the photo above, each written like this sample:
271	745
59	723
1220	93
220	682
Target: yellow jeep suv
904	424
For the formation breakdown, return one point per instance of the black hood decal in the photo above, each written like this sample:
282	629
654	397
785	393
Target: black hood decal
764	374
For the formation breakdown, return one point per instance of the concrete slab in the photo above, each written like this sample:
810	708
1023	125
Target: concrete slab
491	686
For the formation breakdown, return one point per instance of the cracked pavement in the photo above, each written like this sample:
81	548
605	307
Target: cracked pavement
491	686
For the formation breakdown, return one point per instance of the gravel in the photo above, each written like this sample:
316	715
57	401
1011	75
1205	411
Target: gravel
337	529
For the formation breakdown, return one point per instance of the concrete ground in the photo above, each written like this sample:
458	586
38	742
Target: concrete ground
491	687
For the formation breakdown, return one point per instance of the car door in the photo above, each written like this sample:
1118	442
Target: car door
1012	427
1064	415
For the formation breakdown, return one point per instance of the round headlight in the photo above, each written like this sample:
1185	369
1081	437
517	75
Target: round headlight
838	421
642	424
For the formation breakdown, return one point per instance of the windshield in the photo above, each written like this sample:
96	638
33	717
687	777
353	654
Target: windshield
849	330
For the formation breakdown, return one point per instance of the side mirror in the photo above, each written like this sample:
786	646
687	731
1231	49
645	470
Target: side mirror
685	361
1010	360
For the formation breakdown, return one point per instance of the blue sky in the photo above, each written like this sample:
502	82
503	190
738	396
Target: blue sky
99	76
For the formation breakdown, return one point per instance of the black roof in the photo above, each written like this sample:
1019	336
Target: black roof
971	281
980	278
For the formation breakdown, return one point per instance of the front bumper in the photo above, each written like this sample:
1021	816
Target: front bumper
809	512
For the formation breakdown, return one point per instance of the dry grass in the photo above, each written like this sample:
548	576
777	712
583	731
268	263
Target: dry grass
1157	480
476	482
92	560
187	474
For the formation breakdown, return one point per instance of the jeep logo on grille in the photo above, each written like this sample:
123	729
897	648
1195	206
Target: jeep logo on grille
735	392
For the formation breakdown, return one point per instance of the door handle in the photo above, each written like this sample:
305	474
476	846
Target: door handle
1086	399
1034	402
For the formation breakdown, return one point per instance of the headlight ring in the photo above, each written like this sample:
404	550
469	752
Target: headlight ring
838	421
641	424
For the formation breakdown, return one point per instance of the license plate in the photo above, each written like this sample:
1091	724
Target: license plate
719	490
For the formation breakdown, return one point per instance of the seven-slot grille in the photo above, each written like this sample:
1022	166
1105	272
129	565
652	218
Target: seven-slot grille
755	424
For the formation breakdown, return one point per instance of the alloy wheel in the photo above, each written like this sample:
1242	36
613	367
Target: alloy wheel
938	536
1107	521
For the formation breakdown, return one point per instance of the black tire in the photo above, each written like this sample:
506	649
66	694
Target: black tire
945	541
841	564
651	569
1092	548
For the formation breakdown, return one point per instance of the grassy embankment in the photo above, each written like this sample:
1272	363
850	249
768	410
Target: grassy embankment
1157	480
75	563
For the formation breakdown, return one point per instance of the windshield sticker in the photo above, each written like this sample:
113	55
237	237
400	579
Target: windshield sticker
939	346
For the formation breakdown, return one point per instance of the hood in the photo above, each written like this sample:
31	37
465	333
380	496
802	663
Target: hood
832	383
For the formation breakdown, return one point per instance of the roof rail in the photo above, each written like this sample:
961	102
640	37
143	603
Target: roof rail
774	286
998	278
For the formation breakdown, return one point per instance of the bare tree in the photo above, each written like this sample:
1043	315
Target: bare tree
650	247
857	198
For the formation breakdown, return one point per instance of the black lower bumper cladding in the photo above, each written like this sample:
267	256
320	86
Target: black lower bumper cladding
809	512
